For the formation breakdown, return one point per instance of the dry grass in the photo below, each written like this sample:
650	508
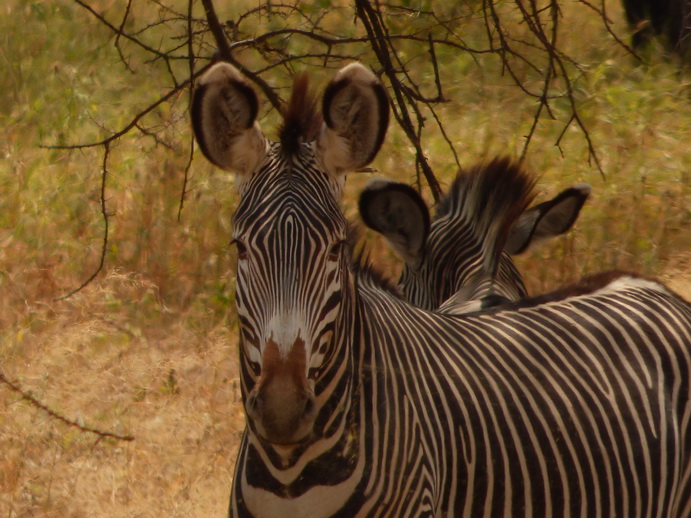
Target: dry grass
149	349
167	382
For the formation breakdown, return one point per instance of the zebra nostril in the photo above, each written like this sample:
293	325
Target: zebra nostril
254	404
310	410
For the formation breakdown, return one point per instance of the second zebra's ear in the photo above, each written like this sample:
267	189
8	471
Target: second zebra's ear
356	115
224	113
398	212
547	219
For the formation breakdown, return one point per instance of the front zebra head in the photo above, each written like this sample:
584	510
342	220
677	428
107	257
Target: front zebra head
289	231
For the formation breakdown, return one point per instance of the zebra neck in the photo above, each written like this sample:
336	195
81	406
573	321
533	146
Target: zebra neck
324	474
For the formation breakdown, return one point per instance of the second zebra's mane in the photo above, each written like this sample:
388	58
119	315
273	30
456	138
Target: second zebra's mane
301	117
488	198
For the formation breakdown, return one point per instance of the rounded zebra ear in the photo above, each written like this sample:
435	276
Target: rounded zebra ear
547	220
398	212
356	115
224	112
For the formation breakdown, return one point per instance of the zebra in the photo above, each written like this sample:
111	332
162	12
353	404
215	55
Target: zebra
460	260
360	404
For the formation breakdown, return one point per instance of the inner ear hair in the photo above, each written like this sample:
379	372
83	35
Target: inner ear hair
398	212
224	112
355	108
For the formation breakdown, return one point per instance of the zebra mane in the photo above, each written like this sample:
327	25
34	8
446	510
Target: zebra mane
488	199
584	286
362	266
301	117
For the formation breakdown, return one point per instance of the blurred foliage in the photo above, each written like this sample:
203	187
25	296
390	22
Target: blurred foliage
60	90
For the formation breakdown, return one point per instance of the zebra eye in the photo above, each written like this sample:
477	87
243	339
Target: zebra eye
335	251
241	249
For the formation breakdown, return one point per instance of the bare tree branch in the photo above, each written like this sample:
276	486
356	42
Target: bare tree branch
394	36
602	13
191	53
31	399
104	213
134	123
217	31
119	32
183	194
375	31
411	107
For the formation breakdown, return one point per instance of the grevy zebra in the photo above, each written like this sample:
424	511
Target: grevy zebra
359	404
460	261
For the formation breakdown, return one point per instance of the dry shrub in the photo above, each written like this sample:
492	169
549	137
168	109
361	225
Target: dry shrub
677	274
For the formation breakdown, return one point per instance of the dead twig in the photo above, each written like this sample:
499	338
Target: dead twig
376	32
104	213
31	399
383	33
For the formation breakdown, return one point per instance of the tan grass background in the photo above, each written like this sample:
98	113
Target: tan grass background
149	348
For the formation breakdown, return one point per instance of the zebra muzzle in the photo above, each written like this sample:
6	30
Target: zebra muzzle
282	406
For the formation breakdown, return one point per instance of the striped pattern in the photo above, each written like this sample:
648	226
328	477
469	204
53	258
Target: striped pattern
464	256
569	408
275	276
459	261
573	405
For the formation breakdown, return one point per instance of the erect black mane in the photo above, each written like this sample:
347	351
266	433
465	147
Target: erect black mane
499	187
488	199
302	118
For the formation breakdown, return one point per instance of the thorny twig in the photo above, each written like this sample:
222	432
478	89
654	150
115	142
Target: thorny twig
200	40
376	34
27	396
135	121
190	61
119	34
104	213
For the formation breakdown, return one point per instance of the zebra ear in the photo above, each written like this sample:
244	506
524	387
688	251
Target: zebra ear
398	212
356	115
546	220
224	112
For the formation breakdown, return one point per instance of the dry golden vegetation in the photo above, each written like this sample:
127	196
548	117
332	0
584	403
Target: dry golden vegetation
148	349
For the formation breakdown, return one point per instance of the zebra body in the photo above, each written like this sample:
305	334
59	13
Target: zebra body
548	436
460	260
360	404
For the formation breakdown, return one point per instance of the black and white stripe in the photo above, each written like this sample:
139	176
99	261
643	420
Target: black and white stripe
569	408
576	404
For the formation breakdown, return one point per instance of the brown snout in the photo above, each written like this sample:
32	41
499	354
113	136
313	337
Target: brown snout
281	406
